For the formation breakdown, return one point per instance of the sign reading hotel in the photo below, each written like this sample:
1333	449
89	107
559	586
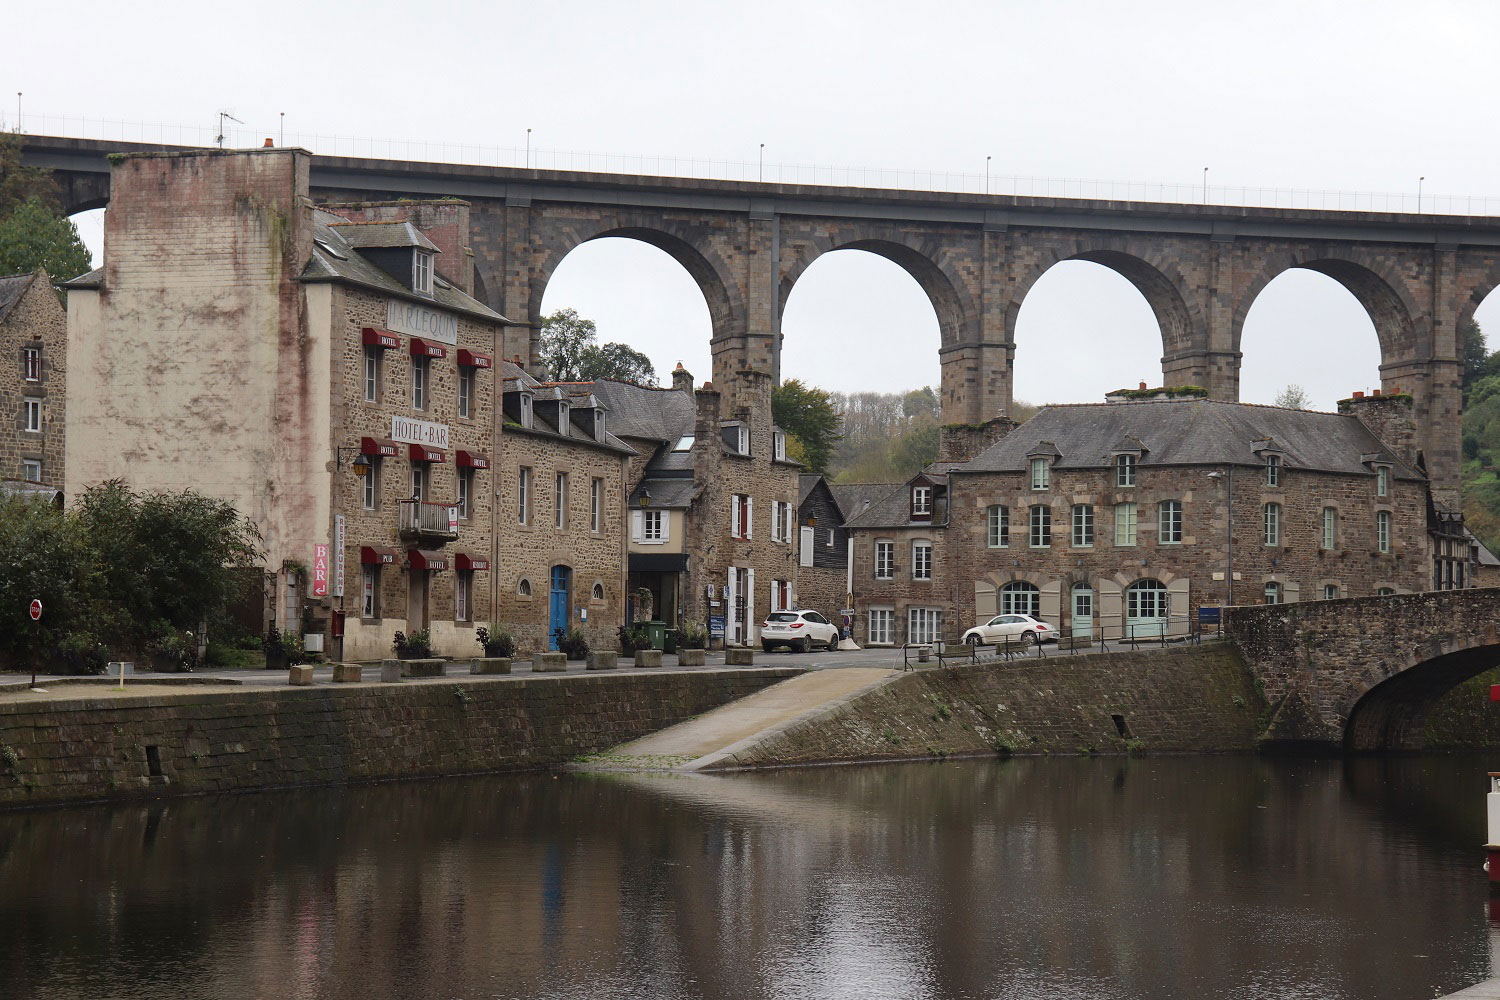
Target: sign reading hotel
419	321
409	431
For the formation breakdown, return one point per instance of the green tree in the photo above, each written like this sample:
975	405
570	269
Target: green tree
808	416
33	237
921	402
571	353
20	184
1473	356
46	559
620	362
1293	397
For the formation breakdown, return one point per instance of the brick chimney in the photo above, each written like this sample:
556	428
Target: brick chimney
1389	417
682	379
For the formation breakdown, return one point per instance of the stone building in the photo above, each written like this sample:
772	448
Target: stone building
324	369
33	336
822	548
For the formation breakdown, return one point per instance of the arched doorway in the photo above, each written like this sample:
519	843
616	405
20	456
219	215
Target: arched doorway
558	604
1146	609
1020	598
1082	605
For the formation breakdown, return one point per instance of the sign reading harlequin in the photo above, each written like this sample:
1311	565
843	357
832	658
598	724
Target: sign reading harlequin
409	431
419	321
320	570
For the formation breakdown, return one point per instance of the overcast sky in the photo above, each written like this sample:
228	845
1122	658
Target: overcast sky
1353	97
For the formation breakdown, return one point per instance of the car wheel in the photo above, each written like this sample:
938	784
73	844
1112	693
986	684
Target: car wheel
801	646
975	640
1028	638
767	646
833	644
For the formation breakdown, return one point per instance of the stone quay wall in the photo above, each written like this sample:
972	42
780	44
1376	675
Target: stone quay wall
222	741
1197	699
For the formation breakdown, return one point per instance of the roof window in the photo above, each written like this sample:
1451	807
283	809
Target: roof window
684	444
421	275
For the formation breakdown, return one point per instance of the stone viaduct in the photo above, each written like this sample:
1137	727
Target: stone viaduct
1200	267
1362	673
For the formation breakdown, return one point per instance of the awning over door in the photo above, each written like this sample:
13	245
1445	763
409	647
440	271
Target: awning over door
377	556
426	560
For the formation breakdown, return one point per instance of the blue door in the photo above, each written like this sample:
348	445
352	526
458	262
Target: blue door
558	622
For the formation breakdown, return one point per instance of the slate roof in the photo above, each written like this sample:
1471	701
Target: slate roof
1191	432
375	235
891	509
541	426
652	414
676	493
1486	557
11	290
806	483
852	497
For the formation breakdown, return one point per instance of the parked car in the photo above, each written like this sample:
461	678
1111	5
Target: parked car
1011	628
799	630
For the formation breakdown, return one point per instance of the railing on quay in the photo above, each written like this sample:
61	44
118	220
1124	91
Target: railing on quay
1103	630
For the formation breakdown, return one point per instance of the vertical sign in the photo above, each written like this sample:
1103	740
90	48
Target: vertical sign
453	518
320	570
338	555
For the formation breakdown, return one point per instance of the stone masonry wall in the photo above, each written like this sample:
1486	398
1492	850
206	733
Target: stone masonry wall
36	322
97	748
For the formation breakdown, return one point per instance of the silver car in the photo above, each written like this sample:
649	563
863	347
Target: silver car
799	630
1011	629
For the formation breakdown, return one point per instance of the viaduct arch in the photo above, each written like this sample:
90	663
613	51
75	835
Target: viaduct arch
1199	267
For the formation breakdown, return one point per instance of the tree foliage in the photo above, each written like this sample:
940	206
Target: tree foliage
1481	438
811	421
1293	397
33	232
571	353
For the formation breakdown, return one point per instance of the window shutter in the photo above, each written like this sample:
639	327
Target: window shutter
637	525
666	525
729	604
750	523
805	555
750	633
773	606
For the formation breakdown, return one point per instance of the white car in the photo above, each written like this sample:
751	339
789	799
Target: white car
1012	629
799	630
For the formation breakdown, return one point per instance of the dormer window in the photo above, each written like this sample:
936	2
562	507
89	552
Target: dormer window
599	423
526	410
1041	474
778	445
1124	470
421	272
742	434
1273	470
921	501
562	418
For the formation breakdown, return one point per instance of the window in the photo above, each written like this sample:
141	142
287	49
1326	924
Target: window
742	439
1273	593
921	500
372	374
652	525
596	504
998	534
463	595
1083	526
1273	470
465	493
526	402
418	480
684	444
1041	526
924	625
369	605
523	496
1124	470
781	521
1125	524
1020	598
1169	522
598	592
739	516
778	445
31	364
523	589
1272	517
562	419
885	560
1383	530
882	623
370	484
1330	527
1382	481
465	391
421	276
1384	592
1330	591
34	415
1145	601
1041	474
560	501
781	595
31	470
421	368
921	560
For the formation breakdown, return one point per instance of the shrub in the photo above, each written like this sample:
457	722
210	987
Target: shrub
82	653
633	638
496	640
416	646
574	644
692	636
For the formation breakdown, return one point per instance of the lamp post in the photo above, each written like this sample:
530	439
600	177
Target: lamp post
1419	193
762	175
987	174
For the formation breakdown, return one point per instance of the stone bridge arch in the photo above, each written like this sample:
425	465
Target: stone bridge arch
1392	713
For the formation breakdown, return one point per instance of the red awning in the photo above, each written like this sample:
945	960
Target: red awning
377	556
473	359
426	349
424	559
380	338
462	560
376	446
422	453
470	459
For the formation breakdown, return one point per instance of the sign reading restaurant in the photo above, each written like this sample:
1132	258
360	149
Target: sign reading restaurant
409	431
419	321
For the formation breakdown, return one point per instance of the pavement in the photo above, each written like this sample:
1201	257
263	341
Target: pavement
1487	990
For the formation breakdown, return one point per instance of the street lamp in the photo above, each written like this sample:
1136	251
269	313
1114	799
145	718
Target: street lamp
362	465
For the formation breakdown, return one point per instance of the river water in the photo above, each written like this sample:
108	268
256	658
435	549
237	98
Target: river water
1111	878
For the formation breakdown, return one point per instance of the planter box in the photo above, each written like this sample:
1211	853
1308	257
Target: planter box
604	659
549	663
426	667
738	656
390	672
490	665
648	657
690	658
300	675
348	673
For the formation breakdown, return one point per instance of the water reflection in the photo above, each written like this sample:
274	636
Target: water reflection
1097	878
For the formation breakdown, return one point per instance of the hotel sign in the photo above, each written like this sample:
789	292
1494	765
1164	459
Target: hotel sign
409	431
419	321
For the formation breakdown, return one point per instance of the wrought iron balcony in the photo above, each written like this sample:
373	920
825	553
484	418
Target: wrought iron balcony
423	520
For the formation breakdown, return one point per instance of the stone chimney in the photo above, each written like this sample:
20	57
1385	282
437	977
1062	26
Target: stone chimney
964	442
682	379
1389	417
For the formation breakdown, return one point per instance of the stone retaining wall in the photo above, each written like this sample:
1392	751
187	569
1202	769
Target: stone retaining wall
105	747
1194	699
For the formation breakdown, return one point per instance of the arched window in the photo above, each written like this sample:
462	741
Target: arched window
1145	608
598	591
998	519
523	589
1020	598
1273	593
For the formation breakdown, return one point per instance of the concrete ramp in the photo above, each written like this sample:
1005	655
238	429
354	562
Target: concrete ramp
700	742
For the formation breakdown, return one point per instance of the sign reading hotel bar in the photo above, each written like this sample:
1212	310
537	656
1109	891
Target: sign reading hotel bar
419	321
320	570
409	431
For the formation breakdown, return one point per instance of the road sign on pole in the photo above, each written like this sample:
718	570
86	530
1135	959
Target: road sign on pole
36	616
36	610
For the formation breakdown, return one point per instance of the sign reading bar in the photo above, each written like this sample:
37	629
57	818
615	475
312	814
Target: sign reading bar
419	321
409	431
320	570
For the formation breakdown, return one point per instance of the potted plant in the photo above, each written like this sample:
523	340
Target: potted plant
291	647
496	640
692	636
574	645
417	646
633	638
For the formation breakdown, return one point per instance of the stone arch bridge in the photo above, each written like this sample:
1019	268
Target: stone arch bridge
1200	267
1362	673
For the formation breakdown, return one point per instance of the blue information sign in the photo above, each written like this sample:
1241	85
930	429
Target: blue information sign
716	625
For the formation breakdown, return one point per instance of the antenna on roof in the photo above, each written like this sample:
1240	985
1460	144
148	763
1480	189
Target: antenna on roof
223	115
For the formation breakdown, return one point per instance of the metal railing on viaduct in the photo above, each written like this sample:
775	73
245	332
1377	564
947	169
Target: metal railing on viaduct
1362	673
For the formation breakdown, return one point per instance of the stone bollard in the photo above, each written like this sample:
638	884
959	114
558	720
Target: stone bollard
490	665
604	659
924	654
426	667
390	672
348	673
648	657
549	663
690	658
739	656
301	674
